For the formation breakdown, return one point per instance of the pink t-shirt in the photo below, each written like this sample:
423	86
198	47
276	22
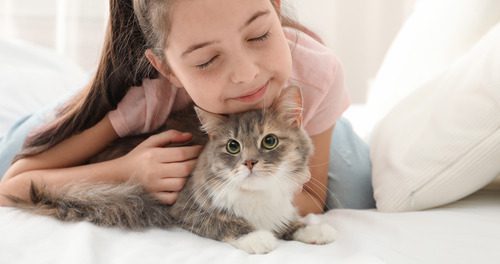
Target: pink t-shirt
314	68
320	75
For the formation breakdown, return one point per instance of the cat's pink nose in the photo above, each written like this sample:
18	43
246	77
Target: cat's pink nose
250	163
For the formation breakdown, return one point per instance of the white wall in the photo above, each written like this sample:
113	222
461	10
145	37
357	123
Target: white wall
74	28
359	31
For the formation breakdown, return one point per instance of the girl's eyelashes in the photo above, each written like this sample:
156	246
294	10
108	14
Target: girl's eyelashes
262	37
206	64
209	62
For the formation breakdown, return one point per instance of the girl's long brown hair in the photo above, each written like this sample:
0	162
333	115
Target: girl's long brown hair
121	66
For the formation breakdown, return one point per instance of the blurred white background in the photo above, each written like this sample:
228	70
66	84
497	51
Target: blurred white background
358	31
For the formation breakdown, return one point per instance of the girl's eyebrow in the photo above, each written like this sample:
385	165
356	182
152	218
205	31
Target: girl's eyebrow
207	43
254	17
197	46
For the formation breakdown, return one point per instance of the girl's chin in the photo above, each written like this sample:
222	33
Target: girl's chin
266	102
260	105
235	106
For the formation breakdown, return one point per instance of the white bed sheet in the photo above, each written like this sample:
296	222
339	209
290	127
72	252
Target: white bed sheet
465	232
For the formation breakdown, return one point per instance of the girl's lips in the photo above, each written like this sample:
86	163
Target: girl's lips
254	96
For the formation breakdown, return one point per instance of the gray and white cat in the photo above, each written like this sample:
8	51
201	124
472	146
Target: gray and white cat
241	190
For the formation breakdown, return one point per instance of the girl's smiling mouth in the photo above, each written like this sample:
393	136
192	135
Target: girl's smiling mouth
254	95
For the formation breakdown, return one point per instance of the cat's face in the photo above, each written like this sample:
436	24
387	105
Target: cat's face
258	150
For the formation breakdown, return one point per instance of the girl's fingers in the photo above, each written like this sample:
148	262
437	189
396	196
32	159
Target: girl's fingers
170	185
177	154
166	197
177	169
165	138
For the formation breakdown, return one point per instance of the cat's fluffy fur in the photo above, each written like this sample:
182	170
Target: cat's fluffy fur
226	199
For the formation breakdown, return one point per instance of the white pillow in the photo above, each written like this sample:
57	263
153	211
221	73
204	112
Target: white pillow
435	35
32	77
442	142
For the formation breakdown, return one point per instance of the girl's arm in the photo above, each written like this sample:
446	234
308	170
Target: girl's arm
162	171
312	199
70	152
52	167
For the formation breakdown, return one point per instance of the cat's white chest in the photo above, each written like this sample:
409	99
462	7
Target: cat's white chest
264	210
265	201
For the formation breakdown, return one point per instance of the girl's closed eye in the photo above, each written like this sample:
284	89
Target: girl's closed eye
208	63
205	65
262	37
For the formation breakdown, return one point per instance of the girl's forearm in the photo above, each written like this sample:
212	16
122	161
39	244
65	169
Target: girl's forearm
313	197
54	179
308	203
71	152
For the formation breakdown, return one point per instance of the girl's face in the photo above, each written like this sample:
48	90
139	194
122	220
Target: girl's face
229	55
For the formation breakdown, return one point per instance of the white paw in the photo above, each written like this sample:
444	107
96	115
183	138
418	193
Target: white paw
257	242
316	234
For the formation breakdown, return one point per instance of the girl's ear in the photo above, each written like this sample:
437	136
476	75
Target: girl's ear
162	68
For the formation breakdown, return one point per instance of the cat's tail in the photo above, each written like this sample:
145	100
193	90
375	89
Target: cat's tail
125	205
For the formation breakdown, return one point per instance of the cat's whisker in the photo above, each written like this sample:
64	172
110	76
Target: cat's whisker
220	189
192	196
196	192
317	183
201	203
316	194
318	164
322	186
314	199
217	189
212	209
309	192
197	220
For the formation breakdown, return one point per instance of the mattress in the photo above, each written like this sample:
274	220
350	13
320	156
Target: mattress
467	231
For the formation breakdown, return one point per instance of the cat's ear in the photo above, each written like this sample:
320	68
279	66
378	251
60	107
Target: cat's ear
289	105
210	122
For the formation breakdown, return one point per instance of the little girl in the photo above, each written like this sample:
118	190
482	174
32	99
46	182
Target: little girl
226	56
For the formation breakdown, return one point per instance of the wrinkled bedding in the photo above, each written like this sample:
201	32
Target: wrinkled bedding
465	232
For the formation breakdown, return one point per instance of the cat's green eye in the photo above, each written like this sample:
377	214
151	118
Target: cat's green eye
270	142
233	147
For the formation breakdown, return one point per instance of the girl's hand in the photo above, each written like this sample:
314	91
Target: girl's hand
162	170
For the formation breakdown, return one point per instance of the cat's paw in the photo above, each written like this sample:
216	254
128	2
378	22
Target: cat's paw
316	234
257	242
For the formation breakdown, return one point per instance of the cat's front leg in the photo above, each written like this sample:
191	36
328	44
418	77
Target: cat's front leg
310	233
237	232
256	242
234	230
315	234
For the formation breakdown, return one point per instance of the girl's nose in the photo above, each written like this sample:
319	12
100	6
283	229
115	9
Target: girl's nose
244	69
